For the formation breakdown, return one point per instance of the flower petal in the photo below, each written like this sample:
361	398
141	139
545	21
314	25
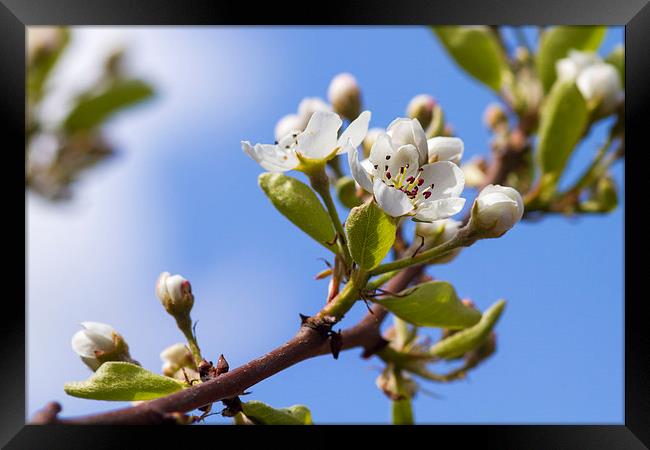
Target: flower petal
358	172
83	345
446	177
439	209
404	131
319	138
382	148
406	158
442	148
355	132
271	157
394	202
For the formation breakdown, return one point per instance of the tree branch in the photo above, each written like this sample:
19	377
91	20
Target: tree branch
307	343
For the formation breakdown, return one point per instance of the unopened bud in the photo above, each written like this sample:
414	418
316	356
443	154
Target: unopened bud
175	294
345	96
601	87
474	172
175	357
442	148
98	343
494	116
496	210
421	107
439	232
291	123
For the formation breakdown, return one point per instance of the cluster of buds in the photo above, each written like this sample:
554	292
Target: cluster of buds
98	343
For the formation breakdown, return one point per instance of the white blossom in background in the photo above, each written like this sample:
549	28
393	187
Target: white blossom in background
402	180
297	122
319	142
177	357
443	148
99	342
599	82
174	292
344	95
421	107
371	137
497	209
439	232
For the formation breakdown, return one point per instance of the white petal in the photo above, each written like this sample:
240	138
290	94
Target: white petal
289	124
358	172
406	158
319	138
404	131
394	202
101	329
443	148
271	157
356	131
367	165
382	148
439	209
446	177
83	345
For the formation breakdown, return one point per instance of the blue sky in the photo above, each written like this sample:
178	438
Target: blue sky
182	197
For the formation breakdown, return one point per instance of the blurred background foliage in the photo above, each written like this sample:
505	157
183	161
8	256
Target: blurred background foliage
58	154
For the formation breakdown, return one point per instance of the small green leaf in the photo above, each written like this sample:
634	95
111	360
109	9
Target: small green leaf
91	110
477	51
121	381
371	233
264	414
39	70
432	304
347	192
402	412
617	59
298	203
563	120
459	343
555	44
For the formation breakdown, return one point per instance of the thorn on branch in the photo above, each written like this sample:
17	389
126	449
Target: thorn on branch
336	343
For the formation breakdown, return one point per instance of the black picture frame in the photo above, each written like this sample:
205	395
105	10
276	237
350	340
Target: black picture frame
15	15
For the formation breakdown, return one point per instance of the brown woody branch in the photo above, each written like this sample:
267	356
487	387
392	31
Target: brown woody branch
307	343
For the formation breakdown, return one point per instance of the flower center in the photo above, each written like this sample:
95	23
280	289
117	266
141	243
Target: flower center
411	185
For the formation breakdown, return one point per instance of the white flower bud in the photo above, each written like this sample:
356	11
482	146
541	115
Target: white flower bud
98	343
443	148
421	107
345	96
175	293
474	172
290	123
309	105
175	357
496	210
494	116
601	84
439	232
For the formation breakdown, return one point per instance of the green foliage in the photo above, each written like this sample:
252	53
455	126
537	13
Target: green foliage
432	304
402	411
477	50
459	343
298	203
346	192
121	381
263	414
555	44
617	59
563	120
371	233
93	109
38	71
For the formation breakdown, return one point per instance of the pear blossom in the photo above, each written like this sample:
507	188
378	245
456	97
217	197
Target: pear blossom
99	342
598	82
402	180
177	357
297	122
497	209
174	292
442	148
344	95
319	142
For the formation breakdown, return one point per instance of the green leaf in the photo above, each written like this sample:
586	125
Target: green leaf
264	414
346	190
459	343
371	233
555	44
298	203
121	381
93	109
617	59
432	304
477	51
563	120
39	71
402	412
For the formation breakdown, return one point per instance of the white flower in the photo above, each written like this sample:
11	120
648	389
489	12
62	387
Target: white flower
177	354
297	122
174	292
598	82
437	233
344	95
497	209
401	179
99	340
317	143
445	149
